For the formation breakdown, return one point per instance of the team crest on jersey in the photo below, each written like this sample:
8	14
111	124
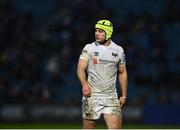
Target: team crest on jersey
114	54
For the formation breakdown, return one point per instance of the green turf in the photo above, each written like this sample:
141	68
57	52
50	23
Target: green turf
78	126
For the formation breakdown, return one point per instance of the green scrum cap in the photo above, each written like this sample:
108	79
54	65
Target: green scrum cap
107	26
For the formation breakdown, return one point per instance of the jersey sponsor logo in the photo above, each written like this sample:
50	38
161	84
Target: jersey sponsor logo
101	61
95	61
84	52
123	58
96	53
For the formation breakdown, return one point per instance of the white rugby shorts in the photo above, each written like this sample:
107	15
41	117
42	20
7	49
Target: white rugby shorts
93	107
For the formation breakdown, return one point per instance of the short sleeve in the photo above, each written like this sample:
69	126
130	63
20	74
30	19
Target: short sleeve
122	58
85	52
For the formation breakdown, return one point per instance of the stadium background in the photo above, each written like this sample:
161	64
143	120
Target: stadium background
40	42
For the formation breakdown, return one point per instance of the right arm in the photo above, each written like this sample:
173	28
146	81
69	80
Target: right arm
81	70
81	73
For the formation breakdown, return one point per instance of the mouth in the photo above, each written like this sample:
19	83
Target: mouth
97	38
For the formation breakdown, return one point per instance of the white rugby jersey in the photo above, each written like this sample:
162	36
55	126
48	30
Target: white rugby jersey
103	62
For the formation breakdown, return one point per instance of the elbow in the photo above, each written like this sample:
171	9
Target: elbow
77	71
123	73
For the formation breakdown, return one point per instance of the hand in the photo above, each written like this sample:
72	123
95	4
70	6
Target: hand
122	101
86	90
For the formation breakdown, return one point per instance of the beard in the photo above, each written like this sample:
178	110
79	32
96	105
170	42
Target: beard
102	42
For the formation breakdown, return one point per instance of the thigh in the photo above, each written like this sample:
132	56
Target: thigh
112	113
88	124
113	121
91	108
112	107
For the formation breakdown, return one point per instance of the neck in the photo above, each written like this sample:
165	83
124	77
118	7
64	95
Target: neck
107	43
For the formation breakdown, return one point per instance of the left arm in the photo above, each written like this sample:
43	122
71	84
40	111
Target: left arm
123	79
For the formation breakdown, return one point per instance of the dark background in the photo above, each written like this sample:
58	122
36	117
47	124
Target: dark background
41	40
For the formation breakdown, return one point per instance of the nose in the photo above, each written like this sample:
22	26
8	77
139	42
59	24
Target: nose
96	33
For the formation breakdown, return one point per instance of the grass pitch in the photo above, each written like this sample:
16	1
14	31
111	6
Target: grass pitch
78	126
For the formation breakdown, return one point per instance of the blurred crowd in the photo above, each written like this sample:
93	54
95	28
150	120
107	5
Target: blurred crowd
40	42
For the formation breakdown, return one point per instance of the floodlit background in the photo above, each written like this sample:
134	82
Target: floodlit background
41	40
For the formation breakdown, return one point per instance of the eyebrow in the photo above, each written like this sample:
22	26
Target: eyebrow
99	29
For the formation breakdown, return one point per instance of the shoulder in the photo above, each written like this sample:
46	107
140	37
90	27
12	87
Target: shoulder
117	47
90	45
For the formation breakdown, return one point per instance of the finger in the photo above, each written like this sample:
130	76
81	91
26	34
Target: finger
86	94
121	104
